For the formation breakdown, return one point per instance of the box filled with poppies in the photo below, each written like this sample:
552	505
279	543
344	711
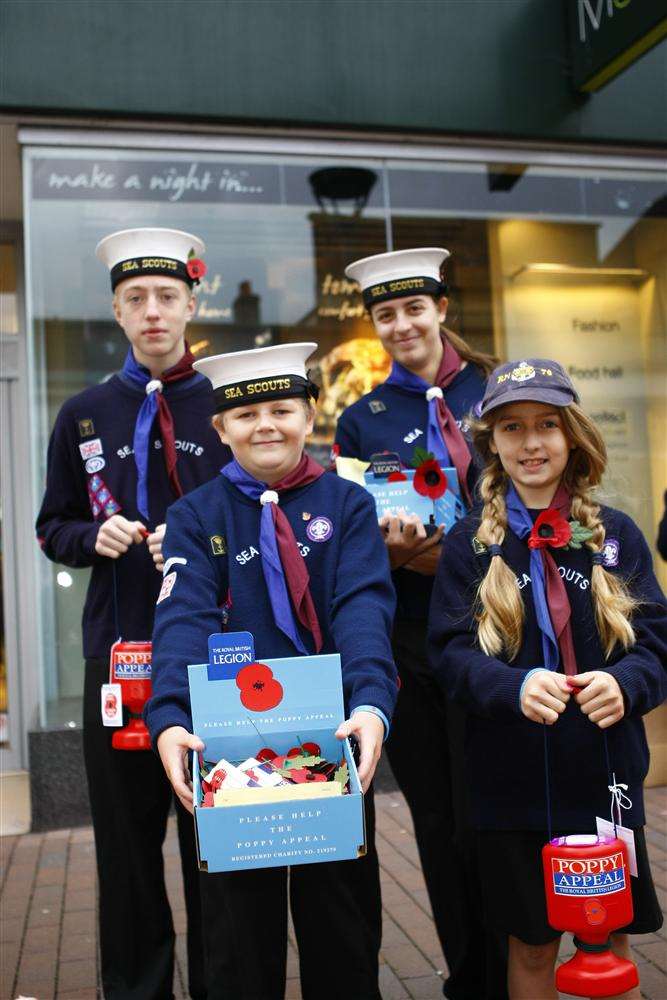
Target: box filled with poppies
427	490
273	786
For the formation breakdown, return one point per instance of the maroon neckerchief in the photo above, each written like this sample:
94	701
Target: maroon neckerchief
181	370
459	452
294	565
560	611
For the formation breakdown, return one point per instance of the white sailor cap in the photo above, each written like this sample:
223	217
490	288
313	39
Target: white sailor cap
244	377
133	252
403	272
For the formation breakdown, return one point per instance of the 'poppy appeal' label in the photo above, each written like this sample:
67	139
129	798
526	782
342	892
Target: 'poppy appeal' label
588	876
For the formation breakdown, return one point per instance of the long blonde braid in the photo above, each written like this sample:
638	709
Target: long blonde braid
500	621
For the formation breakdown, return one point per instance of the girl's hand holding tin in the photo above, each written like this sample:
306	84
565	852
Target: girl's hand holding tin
599	696
545	696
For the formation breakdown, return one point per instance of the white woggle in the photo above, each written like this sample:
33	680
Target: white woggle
153	386
268	496
435	392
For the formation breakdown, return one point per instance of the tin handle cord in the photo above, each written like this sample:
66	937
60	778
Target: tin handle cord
116	617
547	786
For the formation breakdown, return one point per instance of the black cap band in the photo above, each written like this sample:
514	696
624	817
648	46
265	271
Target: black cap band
400	288
259	390
135	267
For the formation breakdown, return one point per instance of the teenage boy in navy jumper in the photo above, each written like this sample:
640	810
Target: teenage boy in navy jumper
546	611
112	471
435	380
314	578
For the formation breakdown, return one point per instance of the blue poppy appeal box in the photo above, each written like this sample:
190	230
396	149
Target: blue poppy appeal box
292	701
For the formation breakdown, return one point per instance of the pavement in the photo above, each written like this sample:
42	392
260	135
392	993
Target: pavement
48	927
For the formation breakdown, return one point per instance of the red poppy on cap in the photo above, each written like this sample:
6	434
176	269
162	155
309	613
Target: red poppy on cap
260	690
550	529
430	480
196	268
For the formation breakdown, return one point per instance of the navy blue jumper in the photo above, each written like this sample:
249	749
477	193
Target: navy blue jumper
349	583
391	419
504	750
99	422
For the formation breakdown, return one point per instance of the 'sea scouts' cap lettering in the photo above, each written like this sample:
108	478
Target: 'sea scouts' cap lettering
537	380
400	273
266	373
133	252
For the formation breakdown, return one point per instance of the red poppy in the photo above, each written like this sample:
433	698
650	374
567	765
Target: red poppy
266	754
397	477
196	268
260	691
430	480
312	749
294	752
550	529
217	779
303	774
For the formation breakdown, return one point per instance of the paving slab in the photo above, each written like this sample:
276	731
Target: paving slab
48	927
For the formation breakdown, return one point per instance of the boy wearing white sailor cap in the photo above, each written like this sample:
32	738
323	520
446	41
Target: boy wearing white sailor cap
303	568
120	453
435	380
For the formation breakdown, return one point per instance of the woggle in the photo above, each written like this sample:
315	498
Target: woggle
130	666
587	887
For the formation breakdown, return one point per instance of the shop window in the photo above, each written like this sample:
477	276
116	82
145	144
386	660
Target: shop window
563	262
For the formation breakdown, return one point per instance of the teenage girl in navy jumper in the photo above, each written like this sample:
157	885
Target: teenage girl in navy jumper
435	380
546	611
329	591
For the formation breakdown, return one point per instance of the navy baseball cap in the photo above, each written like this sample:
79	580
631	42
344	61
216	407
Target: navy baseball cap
536	380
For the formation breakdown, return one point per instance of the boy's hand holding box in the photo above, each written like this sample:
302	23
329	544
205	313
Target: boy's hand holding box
250	717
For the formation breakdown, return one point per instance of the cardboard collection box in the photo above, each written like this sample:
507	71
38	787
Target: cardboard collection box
391	497
303	825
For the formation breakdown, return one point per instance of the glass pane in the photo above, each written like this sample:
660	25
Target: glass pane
562	263
278	234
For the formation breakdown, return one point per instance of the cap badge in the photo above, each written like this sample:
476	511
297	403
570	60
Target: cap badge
523	372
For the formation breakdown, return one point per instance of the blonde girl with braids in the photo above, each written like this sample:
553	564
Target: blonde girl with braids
546	612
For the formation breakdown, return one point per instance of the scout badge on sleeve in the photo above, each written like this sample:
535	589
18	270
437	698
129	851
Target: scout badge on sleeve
130	673
588	893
